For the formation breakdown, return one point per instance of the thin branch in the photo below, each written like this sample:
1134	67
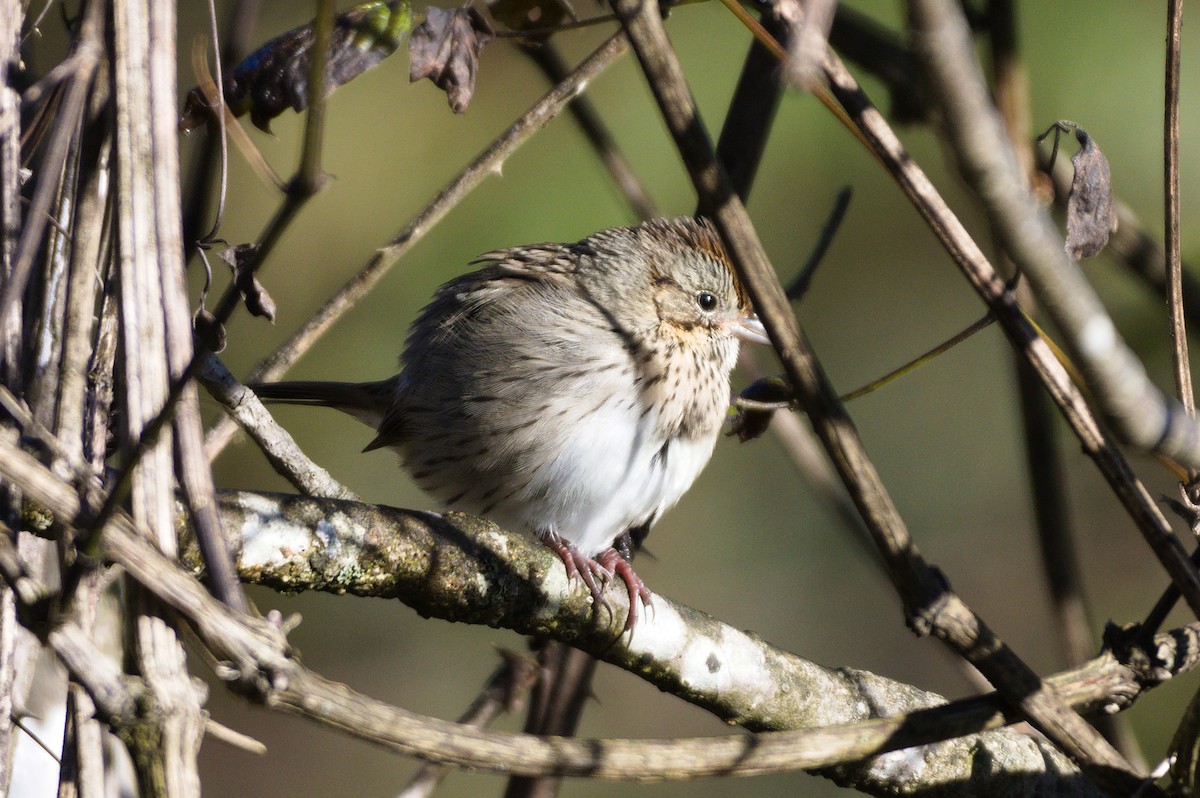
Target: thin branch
751	112
886	146
885	55
1132	404
743	140
928	601
1043	452
309	178
277	444
971	329
160	226
88	47
193	471
236	42
91	225
1183	370
221	140
798	287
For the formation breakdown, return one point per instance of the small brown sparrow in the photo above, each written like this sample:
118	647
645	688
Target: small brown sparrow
574	391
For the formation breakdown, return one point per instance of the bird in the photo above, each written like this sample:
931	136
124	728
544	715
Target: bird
573	391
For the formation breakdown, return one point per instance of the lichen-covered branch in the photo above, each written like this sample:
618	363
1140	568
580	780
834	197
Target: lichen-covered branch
484	574
463	569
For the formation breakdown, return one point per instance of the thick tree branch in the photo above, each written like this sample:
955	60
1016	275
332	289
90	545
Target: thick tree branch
482	574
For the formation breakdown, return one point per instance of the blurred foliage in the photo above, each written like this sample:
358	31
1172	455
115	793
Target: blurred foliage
751	543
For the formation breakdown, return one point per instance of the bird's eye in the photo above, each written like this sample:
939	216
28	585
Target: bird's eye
706	300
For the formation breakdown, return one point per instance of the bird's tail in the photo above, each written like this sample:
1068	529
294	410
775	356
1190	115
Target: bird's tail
366	401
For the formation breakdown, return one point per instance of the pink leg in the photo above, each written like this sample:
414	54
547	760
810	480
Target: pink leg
595	573
579	565
612	561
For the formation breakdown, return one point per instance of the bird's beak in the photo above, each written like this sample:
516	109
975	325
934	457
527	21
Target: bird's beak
751	330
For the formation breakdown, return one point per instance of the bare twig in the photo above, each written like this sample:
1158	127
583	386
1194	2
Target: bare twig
88	47
1042	451
91	225
883	53
920	360
806	50
740	148
192	468
926	597
1132	404
310	179
233	738
221	140
83	747
280	448
235	43
564	683
800	283
994	291
752	109
1183	370
212	93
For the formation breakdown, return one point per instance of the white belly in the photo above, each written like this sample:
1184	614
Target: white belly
612	473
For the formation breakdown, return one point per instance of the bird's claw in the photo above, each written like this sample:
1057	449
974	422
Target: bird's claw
596	572
616	565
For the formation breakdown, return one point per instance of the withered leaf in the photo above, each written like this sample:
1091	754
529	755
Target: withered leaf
209	332
196	111
1091	218
748	422
275	76
445	48
256	298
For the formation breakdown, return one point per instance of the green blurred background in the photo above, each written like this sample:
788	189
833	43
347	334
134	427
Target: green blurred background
752	543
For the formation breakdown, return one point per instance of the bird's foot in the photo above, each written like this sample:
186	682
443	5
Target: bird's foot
616	564
595	572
